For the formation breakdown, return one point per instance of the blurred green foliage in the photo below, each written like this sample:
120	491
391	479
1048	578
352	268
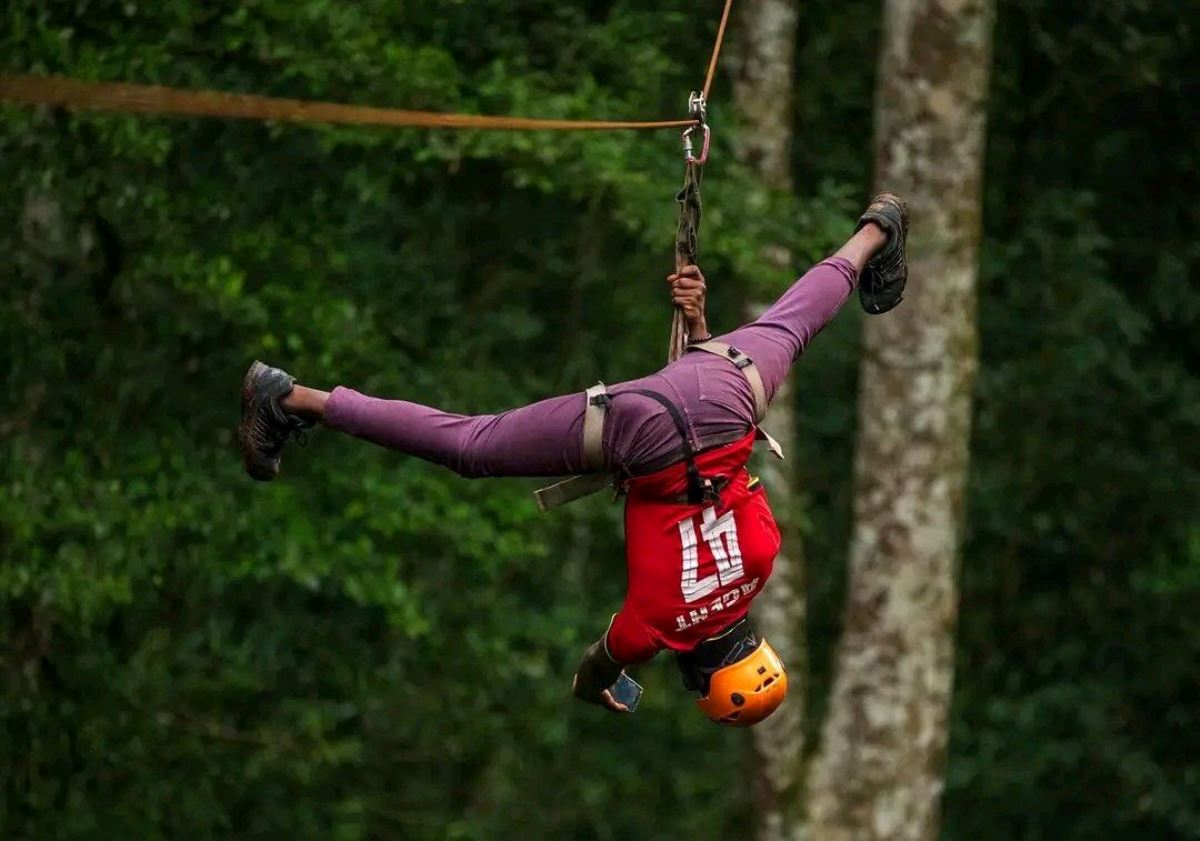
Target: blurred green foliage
371	646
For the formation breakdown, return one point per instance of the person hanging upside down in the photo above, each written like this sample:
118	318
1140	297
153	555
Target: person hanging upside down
700	536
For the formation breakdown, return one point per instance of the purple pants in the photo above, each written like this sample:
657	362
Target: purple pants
546	438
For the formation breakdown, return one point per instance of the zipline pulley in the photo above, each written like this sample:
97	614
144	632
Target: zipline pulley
698	111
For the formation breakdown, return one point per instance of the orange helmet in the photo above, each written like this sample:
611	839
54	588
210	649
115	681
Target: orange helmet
746	692
740	678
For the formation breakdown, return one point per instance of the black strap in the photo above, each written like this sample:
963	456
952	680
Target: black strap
731	645
699	489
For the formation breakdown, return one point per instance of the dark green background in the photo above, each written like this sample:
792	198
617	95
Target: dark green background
371	647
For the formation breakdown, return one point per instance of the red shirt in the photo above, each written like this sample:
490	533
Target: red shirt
693	569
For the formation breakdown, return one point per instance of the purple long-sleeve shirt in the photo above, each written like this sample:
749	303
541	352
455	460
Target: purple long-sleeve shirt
546	438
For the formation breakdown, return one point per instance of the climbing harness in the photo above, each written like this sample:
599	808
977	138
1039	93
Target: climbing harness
598	402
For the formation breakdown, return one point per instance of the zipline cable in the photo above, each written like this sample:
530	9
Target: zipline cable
716	51
123	97
130	98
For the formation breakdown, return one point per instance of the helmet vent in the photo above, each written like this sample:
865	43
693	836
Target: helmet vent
737	699
768	681
762	670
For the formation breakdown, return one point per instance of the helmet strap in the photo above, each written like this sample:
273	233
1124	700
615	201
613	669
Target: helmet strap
735	643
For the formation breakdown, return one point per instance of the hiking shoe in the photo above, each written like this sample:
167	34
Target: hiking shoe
265	427
881	286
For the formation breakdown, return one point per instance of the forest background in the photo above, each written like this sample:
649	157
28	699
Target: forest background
372	647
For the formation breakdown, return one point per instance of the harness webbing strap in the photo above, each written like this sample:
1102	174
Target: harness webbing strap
697	488
593	426
577	487
571	489
689	452
687	238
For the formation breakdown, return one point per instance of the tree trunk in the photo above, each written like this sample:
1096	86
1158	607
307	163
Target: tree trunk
764	67
878	774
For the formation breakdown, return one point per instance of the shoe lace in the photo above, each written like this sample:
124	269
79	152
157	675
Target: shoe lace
274	434
297	430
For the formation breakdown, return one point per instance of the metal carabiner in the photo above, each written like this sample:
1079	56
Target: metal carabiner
687	145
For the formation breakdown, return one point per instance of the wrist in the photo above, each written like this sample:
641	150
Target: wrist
698	331
597	671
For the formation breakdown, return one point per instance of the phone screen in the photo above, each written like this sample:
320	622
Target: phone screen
627	691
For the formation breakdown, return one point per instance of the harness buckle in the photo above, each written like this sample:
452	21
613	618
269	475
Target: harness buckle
739	359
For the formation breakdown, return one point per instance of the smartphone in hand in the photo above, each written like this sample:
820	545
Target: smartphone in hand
627	691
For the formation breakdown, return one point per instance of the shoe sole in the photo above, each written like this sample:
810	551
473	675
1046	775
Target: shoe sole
254	468
902	206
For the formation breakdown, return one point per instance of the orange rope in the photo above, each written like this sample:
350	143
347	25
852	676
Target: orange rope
712	62
129	98
157	99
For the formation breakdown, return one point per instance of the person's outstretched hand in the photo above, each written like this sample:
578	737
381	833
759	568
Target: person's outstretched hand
688	292
597	672
604	698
